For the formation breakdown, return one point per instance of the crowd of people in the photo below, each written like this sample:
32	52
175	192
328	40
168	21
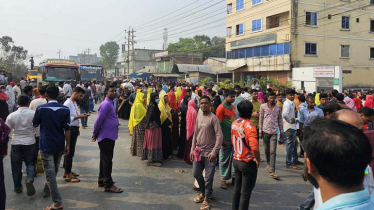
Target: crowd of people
205	126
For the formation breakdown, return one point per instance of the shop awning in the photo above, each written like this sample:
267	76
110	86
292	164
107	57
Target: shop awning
167	75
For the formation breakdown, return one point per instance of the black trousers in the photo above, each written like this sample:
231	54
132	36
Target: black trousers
106	162
68	160
245	180
19	154
2	185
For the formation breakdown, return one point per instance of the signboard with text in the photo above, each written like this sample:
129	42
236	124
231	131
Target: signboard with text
324	71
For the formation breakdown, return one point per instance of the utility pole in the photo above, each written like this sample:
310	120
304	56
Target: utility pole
133	50
59	54
128	53
88	56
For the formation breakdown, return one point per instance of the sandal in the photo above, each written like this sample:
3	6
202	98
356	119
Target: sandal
75	174
273	175
154	164
205	206
71	178
267	168
199	198
113	189
53	207
223	184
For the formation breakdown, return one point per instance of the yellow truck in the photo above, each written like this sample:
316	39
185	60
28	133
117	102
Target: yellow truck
33	74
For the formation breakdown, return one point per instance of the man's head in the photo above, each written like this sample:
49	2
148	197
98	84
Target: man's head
23	101
238	90
323	99
311	102
349	117
330	108
220	92
245	109
290	94
52	93
322	91
301	98
254	94
78	93
42	90
336	155
188	92
229	96
271	98
205	104
17	83
159	87
339	97
60	84
367	114
39	84
269	90
245	90
193	88
28	90
110	91
279	97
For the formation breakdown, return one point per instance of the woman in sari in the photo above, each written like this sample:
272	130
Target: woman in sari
261	97
175	119
166	124
184	91
152	146
137	124
12	99
178	94
124	105
149	92
191	121
4	108
183	135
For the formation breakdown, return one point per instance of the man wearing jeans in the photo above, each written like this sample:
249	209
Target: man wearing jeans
23	145
270	120
54	121
206	143
106	133
289	125
71	103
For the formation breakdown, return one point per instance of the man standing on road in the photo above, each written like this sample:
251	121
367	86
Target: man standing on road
106	133
226	114
54	121
22	84
206	143
17	89
67	89
289	125
23	145
323	100
256	107
71	103
270	120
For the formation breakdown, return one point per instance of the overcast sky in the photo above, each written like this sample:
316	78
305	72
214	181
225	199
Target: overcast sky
45	26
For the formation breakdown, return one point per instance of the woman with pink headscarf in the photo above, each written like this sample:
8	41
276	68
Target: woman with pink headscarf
350	103
191	121
261	97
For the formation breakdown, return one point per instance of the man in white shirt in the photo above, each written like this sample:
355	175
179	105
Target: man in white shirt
23	145
17	89
33	106
67	89
71	103
22	84
289	126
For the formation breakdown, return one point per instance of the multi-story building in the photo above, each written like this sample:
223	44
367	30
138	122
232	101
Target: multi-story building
270	37
166	60
142	58
85	58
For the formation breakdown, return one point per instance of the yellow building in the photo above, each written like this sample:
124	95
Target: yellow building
270	37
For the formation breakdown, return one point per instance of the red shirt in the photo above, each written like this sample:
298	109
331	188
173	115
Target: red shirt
244	139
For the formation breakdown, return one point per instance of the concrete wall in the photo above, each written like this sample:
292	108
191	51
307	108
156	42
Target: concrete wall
329	36
214	64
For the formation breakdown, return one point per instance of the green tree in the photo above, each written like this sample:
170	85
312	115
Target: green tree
12	57
109	53
210	47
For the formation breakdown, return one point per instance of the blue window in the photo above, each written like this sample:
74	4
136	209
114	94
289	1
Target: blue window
249	52
256	25
239	4
265	50
228	56
254	2
345	22
311	18
287	48
280	49
257	51
240	29
242	53
273	49
236	54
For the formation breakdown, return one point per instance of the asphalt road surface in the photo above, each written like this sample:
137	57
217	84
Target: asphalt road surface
147	187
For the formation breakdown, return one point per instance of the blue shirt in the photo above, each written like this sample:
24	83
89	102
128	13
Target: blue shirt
307	117
360	200
320	106
53	119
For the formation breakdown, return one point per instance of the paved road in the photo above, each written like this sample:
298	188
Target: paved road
150	187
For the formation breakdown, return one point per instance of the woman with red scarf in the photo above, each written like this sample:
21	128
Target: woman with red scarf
175	118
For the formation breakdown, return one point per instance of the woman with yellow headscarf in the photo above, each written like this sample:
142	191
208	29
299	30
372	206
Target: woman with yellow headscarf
137	124
178	93
149	92
166	122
